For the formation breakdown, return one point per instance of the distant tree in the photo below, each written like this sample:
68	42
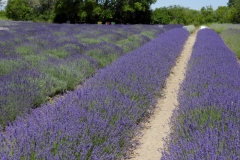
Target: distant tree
91	12
208	14
18	10
225	14
236	5
67	8
176	14
161	16
230	3
129	11
192	17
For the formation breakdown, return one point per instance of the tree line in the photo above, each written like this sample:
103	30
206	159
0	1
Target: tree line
118	11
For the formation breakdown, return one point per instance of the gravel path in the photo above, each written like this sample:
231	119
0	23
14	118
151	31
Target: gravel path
152	137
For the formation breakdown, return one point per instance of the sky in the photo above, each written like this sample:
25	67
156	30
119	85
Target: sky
193	4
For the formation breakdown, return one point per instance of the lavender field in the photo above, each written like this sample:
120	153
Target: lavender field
206	125
97	120
40	60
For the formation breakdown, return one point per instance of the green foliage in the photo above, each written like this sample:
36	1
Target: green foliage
3	15
208	14
101	58
90	40
68	8
181	15
57	53
130	43
224	14
7	66
18	10
177	15
161	16
24	50
230	3
124	11
237	7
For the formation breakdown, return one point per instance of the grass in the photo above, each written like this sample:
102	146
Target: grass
219	28
232	39
102	59
230	33
7	66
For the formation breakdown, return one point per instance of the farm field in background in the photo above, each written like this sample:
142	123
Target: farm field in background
40	60
98	120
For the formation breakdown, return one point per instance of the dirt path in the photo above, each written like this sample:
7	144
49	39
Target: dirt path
158	127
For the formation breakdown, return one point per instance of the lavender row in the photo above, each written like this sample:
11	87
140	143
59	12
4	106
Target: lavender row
206	125
39	60
98	120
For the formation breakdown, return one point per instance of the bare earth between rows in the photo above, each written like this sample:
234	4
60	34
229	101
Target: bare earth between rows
151	140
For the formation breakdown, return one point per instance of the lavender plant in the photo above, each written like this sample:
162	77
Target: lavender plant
60	57
98	120
206	124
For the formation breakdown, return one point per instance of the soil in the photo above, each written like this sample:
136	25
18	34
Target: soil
151	141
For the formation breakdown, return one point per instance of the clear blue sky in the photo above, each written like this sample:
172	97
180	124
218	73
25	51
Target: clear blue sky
193	4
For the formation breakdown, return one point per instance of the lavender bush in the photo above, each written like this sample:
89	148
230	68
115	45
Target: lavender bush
98	120
206	124
39	60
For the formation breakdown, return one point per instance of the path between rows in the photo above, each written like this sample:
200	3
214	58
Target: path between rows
152	136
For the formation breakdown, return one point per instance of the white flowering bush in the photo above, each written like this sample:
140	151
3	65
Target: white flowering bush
190	28
4	28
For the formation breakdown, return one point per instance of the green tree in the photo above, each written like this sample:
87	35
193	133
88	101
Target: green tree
161	16
67	10
18	10
91	12
230	3
237	7
225	14
234	6
129	11
208	14
176	14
